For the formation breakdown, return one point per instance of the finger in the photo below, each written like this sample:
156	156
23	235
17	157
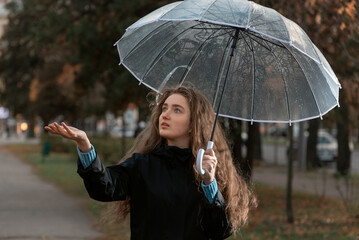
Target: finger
51	125
207	167
209	152
68	130
209	158
61	130
52	128
209	161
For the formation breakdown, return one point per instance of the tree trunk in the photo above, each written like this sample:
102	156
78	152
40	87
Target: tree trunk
235	134
301	149
247	163
312	158
290	218
343	161
31	128
123	134
258	143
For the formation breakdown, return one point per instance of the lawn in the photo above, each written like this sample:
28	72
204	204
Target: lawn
315	217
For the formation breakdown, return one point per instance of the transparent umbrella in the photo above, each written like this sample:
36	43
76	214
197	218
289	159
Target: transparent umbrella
252	63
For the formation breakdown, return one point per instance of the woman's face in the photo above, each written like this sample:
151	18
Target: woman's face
174	121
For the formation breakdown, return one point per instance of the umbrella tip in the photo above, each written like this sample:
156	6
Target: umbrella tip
116	43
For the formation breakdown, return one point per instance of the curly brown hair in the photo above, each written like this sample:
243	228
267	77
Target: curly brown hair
238	195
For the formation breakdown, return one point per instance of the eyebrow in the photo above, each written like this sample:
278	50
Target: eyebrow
174	105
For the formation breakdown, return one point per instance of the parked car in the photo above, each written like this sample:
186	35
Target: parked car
327	147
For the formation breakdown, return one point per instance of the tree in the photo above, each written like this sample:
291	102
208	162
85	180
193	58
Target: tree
312	157
234	133
19	58
338	21
43	39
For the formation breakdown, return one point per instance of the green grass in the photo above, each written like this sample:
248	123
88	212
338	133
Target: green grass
59	169
315	217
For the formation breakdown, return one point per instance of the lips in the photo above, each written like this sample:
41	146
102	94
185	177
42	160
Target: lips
164	124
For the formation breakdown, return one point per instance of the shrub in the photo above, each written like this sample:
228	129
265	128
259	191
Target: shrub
109	149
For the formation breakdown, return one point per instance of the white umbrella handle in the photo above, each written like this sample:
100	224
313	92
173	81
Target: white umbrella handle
200	156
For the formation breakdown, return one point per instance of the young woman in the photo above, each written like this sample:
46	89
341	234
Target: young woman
157	182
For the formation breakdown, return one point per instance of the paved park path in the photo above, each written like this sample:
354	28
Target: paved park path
33	209
320	183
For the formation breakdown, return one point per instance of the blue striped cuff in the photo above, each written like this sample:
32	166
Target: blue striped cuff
87	158
210	190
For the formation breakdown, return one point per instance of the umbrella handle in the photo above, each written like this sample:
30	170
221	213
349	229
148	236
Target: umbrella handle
200	156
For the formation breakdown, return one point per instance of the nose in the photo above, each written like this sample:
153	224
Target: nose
165	115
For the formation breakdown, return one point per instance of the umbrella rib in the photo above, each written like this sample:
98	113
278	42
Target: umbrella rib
142	41
286	28
164	50
250	13
253	72
209	13
194	57
225	33
227	30
253	79
310	86
210	5
285	86
231	8
266	47
221	69
278	45
246	41
213	28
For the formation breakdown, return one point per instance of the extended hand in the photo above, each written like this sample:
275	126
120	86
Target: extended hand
209	163
71	133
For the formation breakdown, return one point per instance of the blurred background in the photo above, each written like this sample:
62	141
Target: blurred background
58	63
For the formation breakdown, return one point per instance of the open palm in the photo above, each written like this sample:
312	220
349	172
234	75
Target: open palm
71	133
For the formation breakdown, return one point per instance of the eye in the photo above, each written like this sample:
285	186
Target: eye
177	110
164	109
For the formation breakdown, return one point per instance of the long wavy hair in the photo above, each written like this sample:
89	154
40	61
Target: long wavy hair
237	194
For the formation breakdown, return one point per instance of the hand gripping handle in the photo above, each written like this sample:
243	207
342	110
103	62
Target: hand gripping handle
200	156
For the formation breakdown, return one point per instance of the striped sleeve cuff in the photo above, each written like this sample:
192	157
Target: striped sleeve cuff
87	158
210	190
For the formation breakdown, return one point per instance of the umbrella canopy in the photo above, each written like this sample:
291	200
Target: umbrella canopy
264	64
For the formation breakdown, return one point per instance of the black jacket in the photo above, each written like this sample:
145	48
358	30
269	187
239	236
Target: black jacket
166	202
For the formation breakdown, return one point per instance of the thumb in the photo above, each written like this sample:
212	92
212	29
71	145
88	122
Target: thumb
210	152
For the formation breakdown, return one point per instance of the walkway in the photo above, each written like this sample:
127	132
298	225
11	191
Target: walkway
320	183
32	209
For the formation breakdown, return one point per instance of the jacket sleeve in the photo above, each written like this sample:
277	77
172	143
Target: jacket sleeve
215	223
107	183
